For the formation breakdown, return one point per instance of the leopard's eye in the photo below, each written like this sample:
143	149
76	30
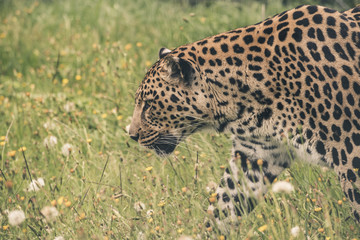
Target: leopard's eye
147	104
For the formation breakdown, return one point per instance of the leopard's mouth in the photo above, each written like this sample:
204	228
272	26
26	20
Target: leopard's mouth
164	145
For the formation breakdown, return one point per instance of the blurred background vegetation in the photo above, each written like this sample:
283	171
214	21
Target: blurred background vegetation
69	69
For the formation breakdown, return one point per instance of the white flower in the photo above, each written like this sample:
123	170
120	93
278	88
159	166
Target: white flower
41	182
211	186
50	141
66	149
149	213
185	237
69	107
282	186
139	206
49	125
59	238
127	128
50	213
16	217
295	231
35	185
141	236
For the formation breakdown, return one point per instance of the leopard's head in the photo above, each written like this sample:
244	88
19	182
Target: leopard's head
170	104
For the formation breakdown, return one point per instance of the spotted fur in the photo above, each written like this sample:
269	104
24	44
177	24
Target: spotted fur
293	78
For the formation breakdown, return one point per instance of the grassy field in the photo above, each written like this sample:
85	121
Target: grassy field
68	72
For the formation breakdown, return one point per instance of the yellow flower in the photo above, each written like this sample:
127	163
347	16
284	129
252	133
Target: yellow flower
148	169
11	153
82	216
262	228
340	202
318	209
19	75
161	203
148	63
260	162
65	81
221	237
3	35
53	203
89	140
5	227
120	117
60	200
2	143
104	115
139	44
78	77
3	138
67	203
128	46
180	230
202	19
22	149
212	199
321	230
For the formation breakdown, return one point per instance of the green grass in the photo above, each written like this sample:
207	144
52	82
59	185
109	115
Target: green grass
44	46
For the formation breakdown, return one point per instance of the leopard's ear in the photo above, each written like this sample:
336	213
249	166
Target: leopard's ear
163	52
176	70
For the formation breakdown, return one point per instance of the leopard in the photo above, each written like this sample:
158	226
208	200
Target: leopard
290	80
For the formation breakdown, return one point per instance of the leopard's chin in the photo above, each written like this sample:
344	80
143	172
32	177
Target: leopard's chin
165	145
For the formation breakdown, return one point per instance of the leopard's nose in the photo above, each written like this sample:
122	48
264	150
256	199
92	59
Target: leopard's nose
135	137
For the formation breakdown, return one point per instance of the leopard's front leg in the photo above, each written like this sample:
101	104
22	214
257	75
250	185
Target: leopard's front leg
255	162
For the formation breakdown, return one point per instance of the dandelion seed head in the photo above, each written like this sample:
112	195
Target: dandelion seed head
50	141
295	231
41	182
69	107
127	128
139	206
185	237
35	185
282	186
141	236
66	149
211	186
149	213
49	125
50	213
16	217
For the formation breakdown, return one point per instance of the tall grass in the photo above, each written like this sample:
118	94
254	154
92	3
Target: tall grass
70	69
